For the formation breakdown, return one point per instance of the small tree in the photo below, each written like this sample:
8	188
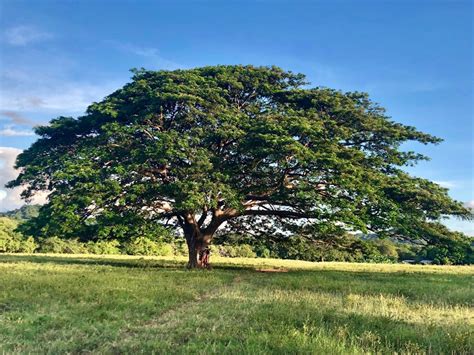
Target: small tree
11	241
203	147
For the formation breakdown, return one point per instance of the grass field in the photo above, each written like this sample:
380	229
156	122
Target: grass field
119	304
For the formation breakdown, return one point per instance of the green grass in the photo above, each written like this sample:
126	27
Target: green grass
119	304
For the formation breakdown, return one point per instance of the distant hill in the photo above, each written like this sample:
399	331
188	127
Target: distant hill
23	213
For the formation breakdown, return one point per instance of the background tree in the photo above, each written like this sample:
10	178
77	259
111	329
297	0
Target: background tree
23	213
11	241
198	148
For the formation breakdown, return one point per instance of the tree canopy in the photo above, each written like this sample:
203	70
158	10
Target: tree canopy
230	145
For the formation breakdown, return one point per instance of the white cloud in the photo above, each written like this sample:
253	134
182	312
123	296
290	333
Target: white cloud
9	131
51	95
43	82
446	184
469	204
44	85
23	35
10	198
466	227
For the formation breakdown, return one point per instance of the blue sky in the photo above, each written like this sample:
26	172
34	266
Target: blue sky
413	57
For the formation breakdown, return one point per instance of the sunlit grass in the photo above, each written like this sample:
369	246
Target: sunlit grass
76	303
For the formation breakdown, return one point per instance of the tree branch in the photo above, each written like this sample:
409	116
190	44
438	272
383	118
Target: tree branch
278	213
203	217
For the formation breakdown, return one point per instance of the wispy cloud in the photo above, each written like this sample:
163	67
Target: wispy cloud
66	97
17	118
151	54
30	90
469	204
44	82
45	86
10	131
23	35
466	227
446	184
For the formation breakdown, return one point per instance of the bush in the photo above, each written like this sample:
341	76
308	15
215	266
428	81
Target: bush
457	252
262	252
387	248
217	250
406	253
9	245
12	241
233	251
28	245
244	251
345	247
141	246
165	249
104	247
65	246
180	248
146	246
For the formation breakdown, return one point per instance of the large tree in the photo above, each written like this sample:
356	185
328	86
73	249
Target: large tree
210	146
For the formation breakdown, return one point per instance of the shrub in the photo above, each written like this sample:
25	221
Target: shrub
233	251
406	253
165	249
146	246
28	245
9	239
387	248
216	249
454	251
180	248
229	251
244	251
12	241
58	245
262	252
104	247
9	245
141	246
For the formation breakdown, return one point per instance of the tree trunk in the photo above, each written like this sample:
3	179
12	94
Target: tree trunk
193	252
197	239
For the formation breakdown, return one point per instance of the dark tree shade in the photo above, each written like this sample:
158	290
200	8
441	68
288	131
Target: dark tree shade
229	145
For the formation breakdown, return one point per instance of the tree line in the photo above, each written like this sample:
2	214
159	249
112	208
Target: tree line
346	247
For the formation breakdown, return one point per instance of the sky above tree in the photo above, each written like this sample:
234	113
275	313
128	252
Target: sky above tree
413	57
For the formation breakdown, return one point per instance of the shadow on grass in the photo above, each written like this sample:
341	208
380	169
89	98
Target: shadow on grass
140	263
101	261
